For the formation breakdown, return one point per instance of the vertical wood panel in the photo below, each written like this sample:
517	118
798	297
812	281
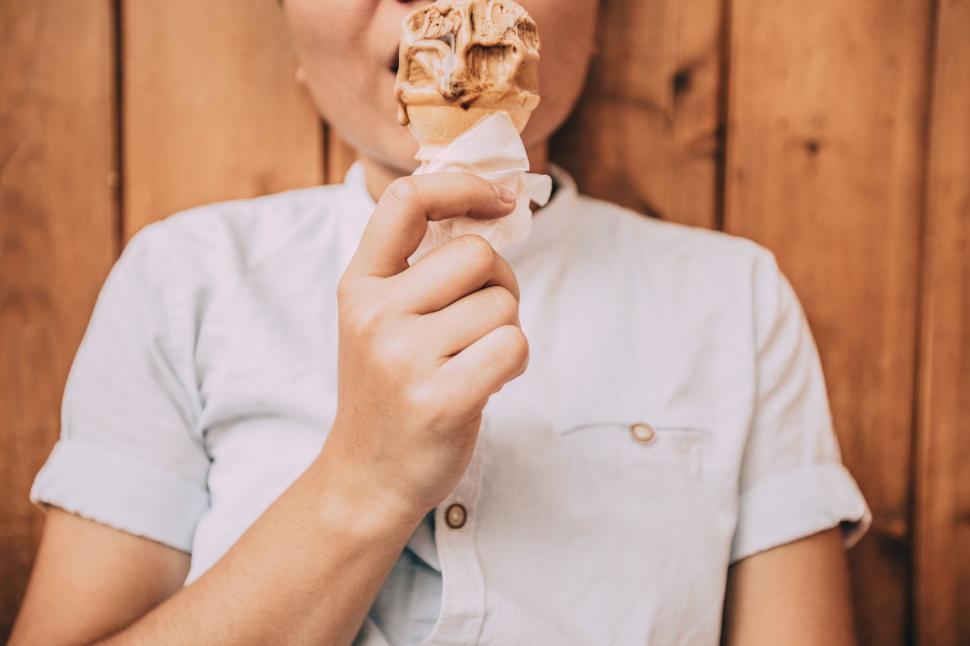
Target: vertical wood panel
58	225
646	132
211	110
826	111
826	118
943	440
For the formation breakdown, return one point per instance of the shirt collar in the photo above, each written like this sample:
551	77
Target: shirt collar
549	223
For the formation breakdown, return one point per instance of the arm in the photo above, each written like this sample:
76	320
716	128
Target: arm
794	594
313	564
99	579
799	506
421	349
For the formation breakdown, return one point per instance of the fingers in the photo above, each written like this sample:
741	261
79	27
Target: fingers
399	221
450	272
464	322
482	368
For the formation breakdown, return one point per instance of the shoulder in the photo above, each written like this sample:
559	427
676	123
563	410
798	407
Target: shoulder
195	259
236	236
731	285
707	260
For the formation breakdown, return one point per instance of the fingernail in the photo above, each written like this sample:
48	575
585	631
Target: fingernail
504	194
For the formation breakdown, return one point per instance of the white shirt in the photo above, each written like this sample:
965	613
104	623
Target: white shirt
673	418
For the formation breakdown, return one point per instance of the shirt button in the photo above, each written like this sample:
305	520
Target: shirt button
643	432
456	515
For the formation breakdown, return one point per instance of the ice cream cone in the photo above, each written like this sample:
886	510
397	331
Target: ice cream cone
439	125
462	60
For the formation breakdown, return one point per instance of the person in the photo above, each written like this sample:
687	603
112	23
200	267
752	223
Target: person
277	430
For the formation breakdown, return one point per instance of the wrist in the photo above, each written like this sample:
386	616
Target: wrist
357	500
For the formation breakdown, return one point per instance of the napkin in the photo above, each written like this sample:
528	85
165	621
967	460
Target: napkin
493	150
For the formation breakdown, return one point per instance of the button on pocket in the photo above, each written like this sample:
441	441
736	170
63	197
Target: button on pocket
636	443
643	432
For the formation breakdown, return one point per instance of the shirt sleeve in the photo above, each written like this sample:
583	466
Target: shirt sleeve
793	483
127	456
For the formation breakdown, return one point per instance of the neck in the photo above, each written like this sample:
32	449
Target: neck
378	174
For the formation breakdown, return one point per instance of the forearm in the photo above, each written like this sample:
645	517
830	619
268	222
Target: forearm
311	566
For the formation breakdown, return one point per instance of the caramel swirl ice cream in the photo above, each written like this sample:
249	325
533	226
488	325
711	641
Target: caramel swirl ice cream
459	61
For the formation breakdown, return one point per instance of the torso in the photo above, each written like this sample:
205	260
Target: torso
578	530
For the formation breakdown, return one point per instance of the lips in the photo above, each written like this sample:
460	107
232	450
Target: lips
394	61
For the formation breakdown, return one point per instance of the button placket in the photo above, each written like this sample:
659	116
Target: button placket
463	584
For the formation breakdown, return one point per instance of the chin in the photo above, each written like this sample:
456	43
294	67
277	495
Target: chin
394	148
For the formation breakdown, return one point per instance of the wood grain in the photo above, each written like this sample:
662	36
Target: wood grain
943	435
58	237
646	134
211	107
826	108
826	114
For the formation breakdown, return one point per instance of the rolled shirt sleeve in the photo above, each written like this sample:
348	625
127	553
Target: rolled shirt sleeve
793	483
128	456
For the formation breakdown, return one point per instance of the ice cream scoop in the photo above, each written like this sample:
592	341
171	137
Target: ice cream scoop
461	60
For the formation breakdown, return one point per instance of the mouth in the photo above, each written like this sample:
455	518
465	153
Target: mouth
394	61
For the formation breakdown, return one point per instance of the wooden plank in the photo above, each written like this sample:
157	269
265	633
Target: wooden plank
646	133
339	156
58	237
826	114
943	442
211	108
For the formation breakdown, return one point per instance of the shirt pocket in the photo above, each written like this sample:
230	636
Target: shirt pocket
661	466
673	447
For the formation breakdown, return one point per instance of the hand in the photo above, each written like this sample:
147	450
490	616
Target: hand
422	348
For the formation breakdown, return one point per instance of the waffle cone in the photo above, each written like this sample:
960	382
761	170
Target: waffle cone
439	125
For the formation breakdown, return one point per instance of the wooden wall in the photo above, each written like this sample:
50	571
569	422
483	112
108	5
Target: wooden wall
835	132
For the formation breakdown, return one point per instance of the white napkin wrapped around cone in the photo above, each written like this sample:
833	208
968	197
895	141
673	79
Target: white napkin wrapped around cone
493	150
